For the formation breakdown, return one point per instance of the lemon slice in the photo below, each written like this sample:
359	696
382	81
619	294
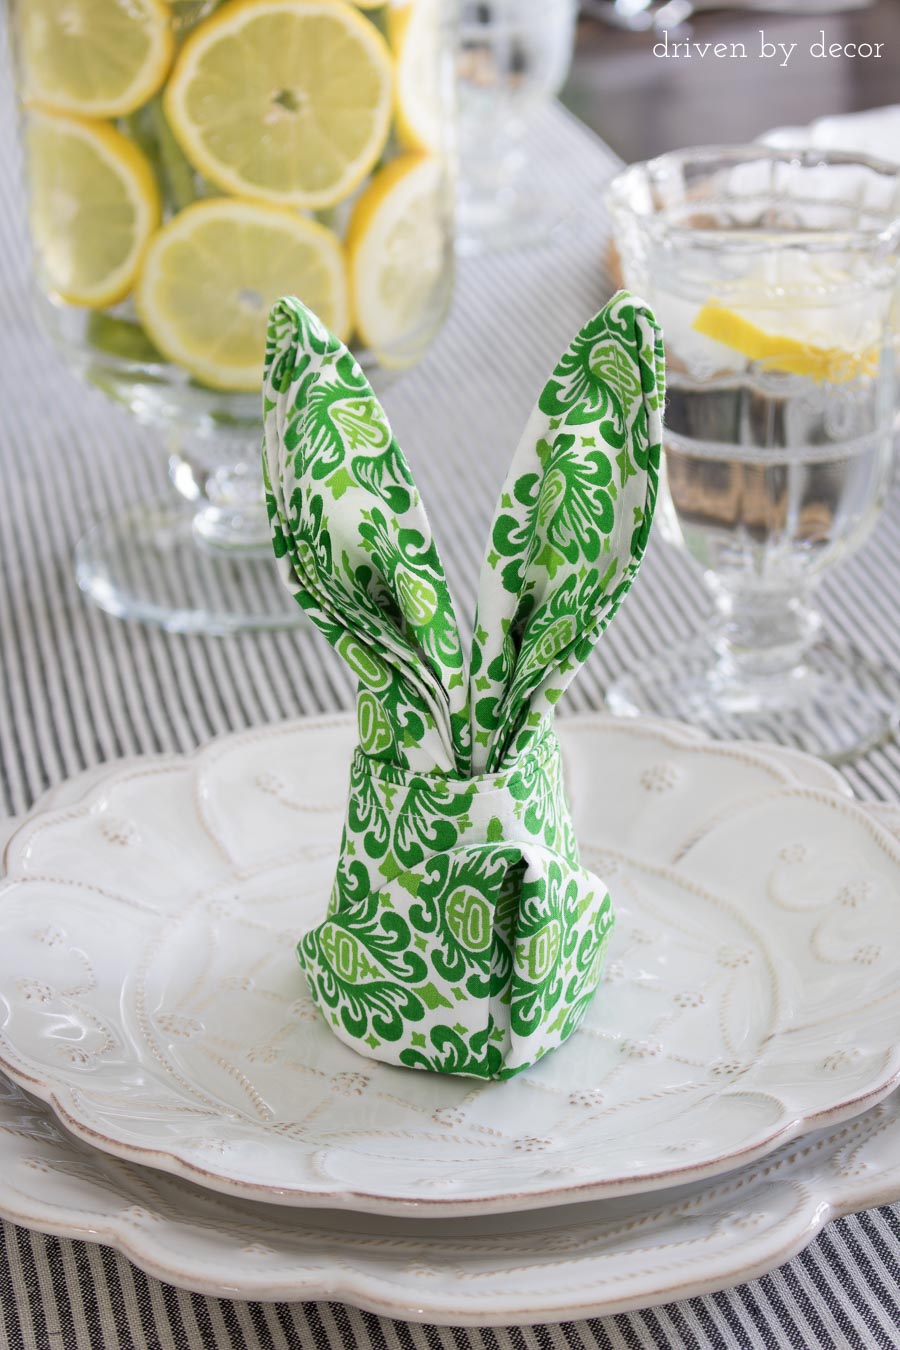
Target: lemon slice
780	351
95	58
285	101
414	32
93	205
212	274
397	242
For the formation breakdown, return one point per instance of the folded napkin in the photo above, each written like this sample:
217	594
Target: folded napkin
875	132
462	935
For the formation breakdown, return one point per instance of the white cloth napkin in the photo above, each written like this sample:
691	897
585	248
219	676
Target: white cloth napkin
875	133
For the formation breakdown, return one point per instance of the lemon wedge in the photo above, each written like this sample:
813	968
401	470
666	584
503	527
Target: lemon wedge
93	205
285	101
414	33
94	58
397	243
779	351
212	273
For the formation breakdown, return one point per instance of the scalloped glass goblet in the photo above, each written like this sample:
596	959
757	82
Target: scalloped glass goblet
513	58
774	275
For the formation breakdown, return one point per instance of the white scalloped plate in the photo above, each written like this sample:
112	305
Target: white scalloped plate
587	1260
148	988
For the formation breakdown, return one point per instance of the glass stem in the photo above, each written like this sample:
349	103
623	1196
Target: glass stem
230	512
762	634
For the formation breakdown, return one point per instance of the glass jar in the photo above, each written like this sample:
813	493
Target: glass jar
189	161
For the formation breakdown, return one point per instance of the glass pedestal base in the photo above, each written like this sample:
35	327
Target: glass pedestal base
835	704
520	220
148	563
498	207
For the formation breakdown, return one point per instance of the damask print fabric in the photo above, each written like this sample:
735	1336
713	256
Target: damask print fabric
462	934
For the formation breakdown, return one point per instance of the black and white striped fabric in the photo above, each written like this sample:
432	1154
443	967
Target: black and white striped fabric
78	688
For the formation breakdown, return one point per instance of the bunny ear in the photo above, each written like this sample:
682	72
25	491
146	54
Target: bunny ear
355	545
570	528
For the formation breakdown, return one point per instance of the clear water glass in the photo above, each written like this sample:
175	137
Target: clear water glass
513	57
312	162
775	277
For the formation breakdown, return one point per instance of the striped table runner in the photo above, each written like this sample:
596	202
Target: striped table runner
78	688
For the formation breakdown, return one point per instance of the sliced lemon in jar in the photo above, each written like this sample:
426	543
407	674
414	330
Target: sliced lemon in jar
398	251
94	58
415	33
212	274
788	353
284	101
93	205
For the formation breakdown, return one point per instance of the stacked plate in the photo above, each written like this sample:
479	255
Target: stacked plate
718	1106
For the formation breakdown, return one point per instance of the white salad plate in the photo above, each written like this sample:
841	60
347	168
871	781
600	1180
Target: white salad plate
149	990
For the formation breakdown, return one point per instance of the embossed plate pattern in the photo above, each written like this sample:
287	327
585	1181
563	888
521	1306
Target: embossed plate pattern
148	988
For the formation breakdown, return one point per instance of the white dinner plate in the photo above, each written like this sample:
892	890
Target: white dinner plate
149	990
586	1260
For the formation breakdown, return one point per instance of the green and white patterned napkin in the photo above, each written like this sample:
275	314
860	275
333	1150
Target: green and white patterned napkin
462	935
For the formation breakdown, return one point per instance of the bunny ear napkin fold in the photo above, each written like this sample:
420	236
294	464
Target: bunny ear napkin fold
462	934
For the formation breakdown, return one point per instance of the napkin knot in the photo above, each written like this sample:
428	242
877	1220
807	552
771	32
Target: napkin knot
463	935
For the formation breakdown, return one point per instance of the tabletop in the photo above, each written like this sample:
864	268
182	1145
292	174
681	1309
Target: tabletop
78	688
